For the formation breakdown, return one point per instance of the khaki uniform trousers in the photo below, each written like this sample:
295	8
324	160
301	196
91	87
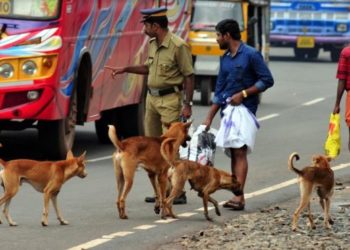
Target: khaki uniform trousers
159	110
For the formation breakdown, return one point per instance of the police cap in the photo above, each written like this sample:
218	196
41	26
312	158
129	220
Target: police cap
149	14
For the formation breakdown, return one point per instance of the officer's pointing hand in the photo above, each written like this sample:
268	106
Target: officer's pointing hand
116	71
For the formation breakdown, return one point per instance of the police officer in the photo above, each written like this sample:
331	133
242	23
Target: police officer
170	77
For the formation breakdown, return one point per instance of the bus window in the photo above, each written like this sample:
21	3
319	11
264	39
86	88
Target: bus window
205	18
29	9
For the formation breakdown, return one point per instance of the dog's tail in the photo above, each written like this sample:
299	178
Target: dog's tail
167	151
112	134
291	165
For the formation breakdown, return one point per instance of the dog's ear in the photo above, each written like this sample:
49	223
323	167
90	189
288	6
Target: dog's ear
70	155
188	124
82	156
329	158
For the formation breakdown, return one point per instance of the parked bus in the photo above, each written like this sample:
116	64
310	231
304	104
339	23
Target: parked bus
308	26
254	20
53	55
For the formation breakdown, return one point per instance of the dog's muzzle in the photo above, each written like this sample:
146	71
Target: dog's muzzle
188	138
83	175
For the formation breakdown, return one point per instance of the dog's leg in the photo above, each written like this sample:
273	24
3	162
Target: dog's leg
7	214
162	181
323	203
119	180
216	205
205	198
11	186
309	215
168	208
128	168
327	219
205	205
305	191
58	213
177	184
156	190
44	218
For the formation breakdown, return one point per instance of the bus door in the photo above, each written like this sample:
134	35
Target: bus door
258	26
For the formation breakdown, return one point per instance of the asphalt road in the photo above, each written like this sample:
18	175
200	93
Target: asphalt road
293	116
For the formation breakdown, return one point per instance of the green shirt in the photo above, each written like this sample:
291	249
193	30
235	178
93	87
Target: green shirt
169	63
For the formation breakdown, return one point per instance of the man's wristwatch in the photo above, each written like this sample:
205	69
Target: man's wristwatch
188	103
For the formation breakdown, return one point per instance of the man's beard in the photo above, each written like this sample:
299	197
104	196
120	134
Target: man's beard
149	34
223	46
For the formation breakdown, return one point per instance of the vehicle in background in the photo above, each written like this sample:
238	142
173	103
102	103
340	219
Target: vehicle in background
308	26
53	55
254	20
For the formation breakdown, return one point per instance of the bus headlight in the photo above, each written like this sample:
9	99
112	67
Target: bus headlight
29	67
33	95
342	27
6	70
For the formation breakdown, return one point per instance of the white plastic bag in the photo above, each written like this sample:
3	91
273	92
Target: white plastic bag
202	146
238	127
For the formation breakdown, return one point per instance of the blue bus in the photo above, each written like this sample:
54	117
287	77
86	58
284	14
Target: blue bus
308	26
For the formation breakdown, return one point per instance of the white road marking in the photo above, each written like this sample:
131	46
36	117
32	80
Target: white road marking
270	189
314	101
100	159
144	227
90	244
184	215
202	208
116	234
167	221
267	117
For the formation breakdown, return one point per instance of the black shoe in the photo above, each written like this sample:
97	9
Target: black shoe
150	199
181	199
178	200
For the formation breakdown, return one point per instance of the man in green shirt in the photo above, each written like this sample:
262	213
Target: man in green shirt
170	77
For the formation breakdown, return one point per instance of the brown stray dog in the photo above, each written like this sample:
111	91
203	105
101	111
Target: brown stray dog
45	176
204	179
145	152
318	175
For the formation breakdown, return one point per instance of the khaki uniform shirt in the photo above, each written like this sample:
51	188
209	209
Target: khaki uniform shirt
169	63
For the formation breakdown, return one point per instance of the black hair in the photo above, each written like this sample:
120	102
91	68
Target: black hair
161	20
229	26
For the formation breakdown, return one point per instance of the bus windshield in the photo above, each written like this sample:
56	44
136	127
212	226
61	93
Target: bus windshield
29	9
207	14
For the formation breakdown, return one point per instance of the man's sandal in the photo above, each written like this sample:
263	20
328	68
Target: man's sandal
234	205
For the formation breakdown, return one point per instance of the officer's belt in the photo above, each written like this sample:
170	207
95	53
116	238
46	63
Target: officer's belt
164	91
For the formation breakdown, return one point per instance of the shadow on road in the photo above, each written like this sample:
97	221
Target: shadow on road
25	144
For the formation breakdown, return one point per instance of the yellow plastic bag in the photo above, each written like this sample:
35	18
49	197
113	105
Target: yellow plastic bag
333	143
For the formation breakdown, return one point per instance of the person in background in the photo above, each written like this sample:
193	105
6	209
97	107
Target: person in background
242	76
170	77
343	76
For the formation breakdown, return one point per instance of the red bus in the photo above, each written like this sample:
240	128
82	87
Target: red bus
53	55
